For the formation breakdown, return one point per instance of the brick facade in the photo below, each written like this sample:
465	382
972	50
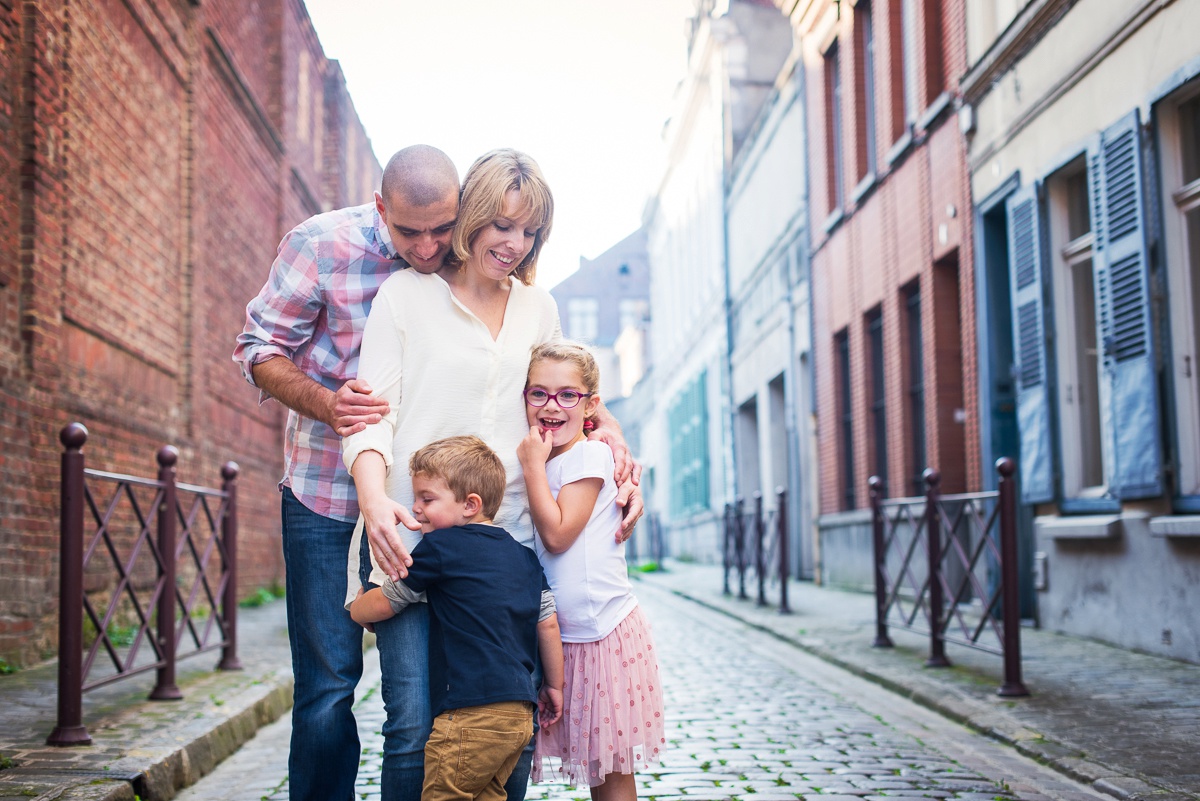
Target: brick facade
152	153
907	228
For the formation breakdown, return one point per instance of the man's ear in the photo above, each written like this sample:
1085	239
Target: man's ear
379	204
473	504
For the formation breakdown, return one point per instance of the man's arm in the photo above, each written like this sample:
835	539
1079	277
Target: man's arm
348	411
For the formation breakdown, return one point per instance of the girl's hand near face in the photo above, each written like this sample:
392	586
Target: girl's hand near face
535	448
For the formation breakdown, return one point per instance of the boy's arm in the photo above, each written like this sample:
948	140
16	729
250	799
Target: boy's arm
371	606
550	698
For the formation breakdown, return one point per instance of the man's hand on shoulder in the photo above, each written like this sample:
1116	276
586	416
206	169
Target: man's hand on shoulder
353	408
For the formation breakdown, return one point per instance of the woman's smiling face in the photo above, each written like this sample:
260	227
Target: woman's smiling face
501	246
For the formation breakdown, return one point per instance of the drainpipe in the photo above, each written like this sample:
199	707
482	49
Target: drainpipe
726	27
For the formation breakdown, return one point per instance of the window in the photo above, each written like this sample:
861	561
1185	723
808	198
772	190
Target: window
833	126
908	46
1074	291
878	400
864	89
1105	384
915	390
632	312
1179	150
687	420
583	318
841	347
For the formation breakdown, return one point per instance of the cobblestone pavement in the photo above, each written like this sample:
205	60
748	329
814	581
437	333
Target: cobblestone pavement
749	717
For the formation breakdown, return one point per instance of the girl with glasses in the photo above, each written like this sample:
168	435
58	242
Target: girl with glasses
612	722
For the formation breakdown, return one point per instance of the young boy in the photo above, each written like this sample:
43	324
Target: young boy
491	612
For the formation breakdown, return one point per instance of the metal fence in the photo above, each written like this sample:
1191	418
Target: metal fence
946	566
756	542
148	575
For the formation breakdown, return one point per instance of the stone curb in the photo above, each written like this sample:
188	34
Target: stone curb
971	714
165	759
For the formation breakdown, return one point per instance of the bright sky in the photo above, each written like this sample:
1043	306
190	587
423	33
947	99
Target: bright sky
582	87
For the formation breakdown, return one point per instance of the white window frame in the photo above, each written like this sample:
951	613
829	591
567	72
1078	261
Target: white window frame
1066	257
583	319
1178	201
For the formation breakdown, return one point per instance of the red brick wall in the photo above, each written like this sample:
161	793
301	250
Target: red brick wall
911	228
151	156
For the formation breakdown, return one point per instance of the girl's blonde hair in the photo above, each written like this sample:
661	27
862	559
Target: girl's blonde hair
575	353
487	182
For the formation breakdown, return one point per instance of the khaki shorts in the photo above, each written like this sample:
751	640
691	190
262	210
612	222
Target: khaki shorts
472	751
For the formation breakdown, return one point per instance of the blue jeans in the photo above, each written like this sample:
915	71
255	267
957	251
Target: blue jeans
326	655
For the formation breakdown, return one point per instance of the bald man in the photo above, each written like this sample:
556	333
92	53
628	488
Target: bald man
300	346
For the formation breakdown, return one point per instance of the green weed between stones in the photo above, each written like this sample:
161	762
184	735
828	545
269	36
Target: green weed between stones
261	596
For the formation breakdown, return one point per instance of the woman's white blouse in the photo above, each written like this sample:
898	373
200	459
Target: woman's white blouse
443	375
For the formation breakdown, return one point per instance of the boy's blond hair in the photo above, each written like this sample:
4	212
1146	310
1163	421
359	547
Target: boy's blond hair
467	465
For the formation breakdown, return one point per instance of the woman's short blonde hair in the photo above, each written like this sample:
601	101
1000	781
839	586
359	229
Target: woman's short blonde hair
487	182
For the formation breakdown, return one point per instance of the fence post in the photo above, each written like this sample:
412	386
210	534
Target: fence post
726	556
781	516
882	640
229	599
1013	687
739	544
164	687
937	641
69	729
760	558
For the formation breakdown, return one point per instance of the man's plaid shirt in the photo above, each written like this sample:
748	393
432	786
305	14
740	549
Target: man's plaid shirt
312	311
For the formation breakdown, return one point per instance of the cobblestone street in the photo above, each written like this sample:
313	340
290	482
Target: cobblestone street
749	717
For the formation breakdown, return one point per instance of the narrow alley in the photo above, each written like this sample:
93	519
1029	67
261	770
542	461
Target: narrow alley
749	716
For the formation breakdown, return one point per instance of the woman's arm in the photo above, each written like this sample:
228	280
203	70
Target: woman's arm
381	514
368	453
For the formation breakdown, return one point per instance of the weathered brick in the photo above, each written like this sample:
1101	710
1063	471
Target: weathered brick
152	153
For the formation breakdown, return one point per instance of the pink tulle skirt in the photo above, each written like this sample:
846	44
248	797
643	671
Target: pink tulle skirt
612	708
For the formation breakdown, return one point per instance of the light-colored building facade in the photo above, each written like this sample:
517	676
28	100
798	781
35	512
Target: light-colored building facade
1083	122
771	387
734	51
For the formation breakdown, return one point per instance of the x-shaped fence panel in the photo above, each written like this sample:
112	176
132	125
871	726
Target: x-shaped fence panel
936	559
123	541
755	541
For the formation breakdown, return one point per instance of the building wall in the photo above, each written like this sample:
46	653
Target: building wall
151	157
879	234
1116	567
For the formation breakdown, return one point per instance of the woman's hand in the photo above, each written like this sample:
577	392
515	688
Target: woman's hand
610	434
629	498
535	448
379	520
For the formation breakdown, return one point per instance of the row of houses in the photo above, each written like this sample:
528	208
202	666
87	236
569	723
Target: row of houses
899	234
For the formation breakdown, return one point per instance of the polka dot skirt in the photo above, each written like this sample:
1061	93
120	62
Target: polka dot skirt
612	708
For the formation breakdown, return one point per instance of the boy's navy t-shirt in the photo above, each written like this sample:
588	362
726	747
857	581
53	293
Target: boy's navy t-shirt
484	591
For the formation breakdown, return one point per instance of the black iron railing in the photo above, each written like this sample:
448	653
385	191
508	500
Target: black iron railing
946	566
160	559
755	541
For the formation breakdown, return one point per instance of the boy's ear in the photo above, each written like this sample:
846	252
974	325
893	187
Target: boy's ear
473	504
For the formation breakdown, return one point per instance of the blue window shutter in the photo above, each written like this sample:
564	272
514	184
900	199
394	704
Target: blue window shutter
1123	316
1029	341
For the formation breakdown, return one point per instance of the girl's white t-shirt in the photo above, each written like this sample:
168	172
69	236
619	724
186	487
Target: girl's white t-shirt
590	582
